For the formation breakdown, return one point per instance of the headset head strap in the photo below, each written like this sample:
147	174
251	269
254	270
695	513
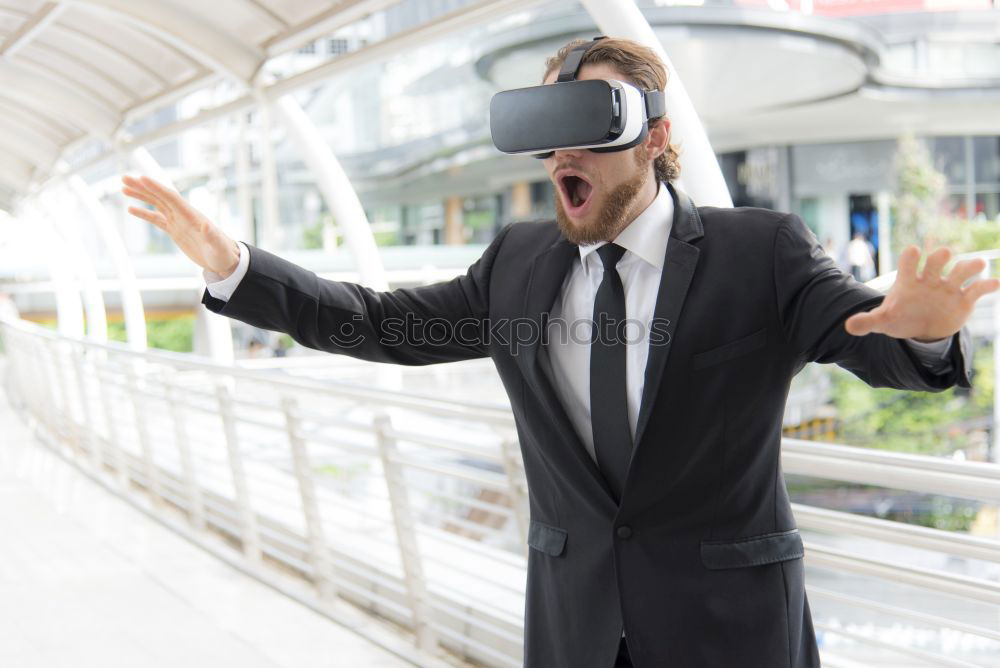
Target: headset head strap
571	65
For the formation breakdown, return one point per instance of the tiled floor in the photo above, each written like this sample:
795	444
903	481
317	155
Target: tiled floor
87	580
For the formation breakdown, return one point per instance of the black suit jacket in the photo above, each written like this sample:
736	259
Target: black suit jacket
701	562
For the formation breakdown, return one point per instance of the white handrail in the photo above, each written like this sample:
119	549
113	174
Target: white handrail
287	469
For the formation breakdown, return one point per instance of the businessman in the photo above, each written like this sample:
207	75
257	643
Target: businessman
661	532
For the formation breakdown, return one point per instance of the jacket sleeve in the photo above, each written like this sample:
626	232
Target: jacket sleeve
442	322
814	298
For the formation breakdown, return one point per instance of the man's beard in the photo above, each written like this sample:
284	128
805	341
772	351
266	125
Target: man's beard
611	218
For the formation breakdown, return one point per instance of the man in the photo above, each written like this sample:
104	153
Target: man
862	258
661	532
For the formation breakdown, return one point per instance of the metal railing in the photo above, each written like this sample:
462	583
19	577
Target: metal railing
414	508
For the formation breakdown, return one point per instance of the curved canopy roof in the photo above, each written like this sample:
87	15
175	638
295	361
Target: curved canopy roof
77	69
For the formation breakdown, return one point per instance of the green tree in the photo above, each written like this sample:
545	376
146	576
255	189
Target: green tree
919	193
930	423
176	334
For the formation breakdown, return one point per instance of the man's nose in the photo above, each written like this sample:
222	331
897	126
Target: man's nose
567	153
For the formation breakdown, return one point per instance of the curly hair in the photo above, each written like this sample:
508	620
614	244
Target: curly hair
643	67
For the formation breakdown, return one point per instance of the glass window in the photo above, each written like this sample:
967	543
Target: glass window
949	158
337	46
986	156
988	206
808	210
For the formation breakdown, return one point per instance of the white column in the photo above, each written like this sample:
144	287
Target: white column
883	204
110	235
701	177
336	189
270	232
244	200
69	308
66	225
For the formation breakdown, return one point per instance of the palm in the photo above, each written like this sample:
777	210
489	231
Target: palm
928	305
191	230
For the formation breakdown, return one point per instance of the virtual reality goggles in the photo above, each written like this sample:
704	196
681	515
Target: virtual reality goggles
597	114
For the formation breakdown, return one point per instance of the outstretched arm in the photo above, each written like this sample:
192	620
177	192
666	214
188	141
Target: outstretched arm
816	299
442	322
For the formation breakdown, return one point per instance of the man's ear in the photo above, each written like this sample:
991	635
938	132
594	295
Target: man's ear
659	137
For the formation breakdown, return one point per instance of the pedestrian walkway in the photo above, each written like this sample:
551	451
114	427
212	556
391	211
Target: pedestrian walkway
88	580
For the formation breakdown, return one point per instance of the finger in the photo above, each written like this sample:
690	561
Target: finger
159	197
935	263
131	181
148	194
158	204
867	322
139	195
906	271
979	288
169	196
154	217
964	270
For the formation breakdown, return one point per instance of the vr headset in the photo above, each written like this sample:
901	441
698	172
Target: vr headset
597	114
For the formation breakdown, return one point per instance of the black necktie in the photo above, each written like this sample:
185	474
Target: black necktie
608	402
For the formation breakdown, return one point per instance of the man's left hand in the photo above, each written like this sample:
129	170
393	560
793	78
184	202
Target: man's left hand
929	306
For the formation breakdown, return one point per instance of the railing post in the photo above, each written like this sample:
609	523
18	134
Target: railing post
69	423
249	535
117	452
319	555
93	443
142	431
406	535
518	498
57	398
196	502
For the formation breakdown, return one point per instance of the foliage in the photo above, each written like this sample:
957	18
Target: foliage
176	334
312	235
967	236
944	513
928	423
919	193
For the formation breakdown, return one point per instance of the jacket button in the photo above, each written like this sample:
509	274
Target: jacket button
624	532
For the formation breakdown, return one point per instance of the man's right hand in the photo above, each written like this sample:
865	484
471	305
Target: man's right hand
195	234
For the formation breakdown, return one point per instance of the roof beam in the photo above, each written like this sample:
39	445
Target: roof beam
267	11
342	14
52	128
187	31
27	89
67	80
459	19
28	144
30	29
109	48
97	72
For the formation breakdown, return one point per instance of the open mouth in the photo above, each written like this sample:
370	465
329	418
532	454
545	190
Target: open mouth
576	191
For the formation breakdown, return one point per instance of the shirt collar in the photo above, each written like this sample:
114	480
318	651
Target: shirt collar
647	235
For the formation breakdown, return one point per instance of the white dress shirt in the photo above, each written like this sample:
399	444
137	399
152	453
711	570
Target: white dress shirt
645	243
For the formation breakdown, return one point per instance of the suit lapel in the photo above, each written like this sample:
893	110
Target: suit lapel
679	264
548	271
